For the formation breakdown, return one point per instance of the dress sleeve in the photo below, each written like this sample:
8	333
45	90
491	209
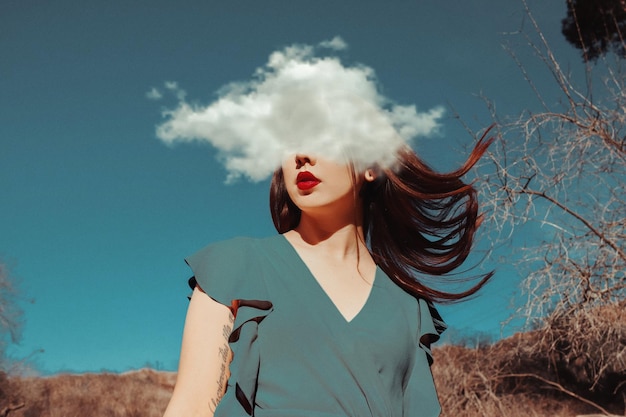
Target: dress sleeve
228	273
420	395
224	271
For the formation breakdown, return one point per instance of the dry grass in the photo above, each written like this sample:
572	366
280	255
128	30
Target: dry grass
141	393
575	365
470	382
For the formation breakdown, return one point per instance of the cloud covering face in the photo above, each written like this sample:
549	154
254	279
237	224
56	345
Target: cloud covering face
298	102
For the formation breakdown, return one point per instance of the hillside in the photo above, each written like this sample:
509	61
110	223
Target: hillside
142	393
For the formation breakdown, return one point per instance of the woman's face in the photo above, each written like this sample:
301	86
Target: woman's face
317	184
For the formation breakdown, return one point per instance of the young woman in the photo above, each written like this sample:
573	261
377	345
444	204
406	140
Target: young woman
330	317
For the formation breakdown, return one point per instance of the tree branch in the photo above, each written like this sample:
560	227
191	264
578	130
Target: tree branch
559	387
572	213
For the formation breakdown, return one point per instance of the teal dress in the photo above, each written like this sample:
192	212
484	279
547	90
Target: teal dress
295	355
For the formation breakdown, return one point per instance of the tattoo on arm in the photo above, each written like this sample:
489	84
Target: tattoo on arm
223	357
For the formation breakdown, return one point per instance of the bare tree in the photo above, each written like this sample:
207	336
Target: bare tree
559	176
10	325
10	314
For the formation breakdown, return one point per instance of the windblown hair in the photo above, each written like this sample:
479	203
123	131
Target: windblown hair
416	221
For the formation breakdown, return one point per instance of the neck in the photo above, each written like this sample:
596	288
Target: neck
338	238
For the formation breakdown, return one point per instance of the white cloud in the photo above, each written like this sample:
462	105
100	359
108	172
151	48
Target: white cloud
154	94
298	102
337	43
174	88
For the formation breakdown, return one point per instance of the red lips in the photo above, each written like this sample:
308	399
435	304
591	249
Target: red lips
305	180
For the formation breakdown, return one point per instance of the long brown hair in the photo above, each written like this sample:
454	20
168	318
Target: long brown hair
416	221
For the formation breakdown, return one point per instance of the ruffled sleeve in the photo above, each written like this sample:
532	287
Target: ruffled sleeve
420	396
227	272
431	325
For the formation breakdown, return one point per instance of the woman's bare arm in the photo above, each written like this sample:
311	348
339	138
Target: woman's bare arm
204	358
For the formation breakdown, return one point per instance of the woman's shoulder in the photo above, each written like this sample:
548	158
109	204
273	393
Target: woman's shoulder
235	243
230	268
231	250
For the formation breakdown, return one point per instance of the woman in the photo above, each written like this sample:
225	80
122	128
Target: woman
330	317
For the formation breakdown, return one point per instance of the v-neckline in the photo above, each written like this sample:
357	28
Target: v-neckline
323	294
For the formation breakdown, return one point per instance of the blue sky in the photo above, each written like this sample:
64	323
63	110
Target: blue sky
97	213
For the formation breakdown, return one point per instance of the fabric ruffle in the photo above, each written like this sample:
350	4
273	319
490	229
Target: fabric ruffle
244	369
246	360
420	394
431	327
